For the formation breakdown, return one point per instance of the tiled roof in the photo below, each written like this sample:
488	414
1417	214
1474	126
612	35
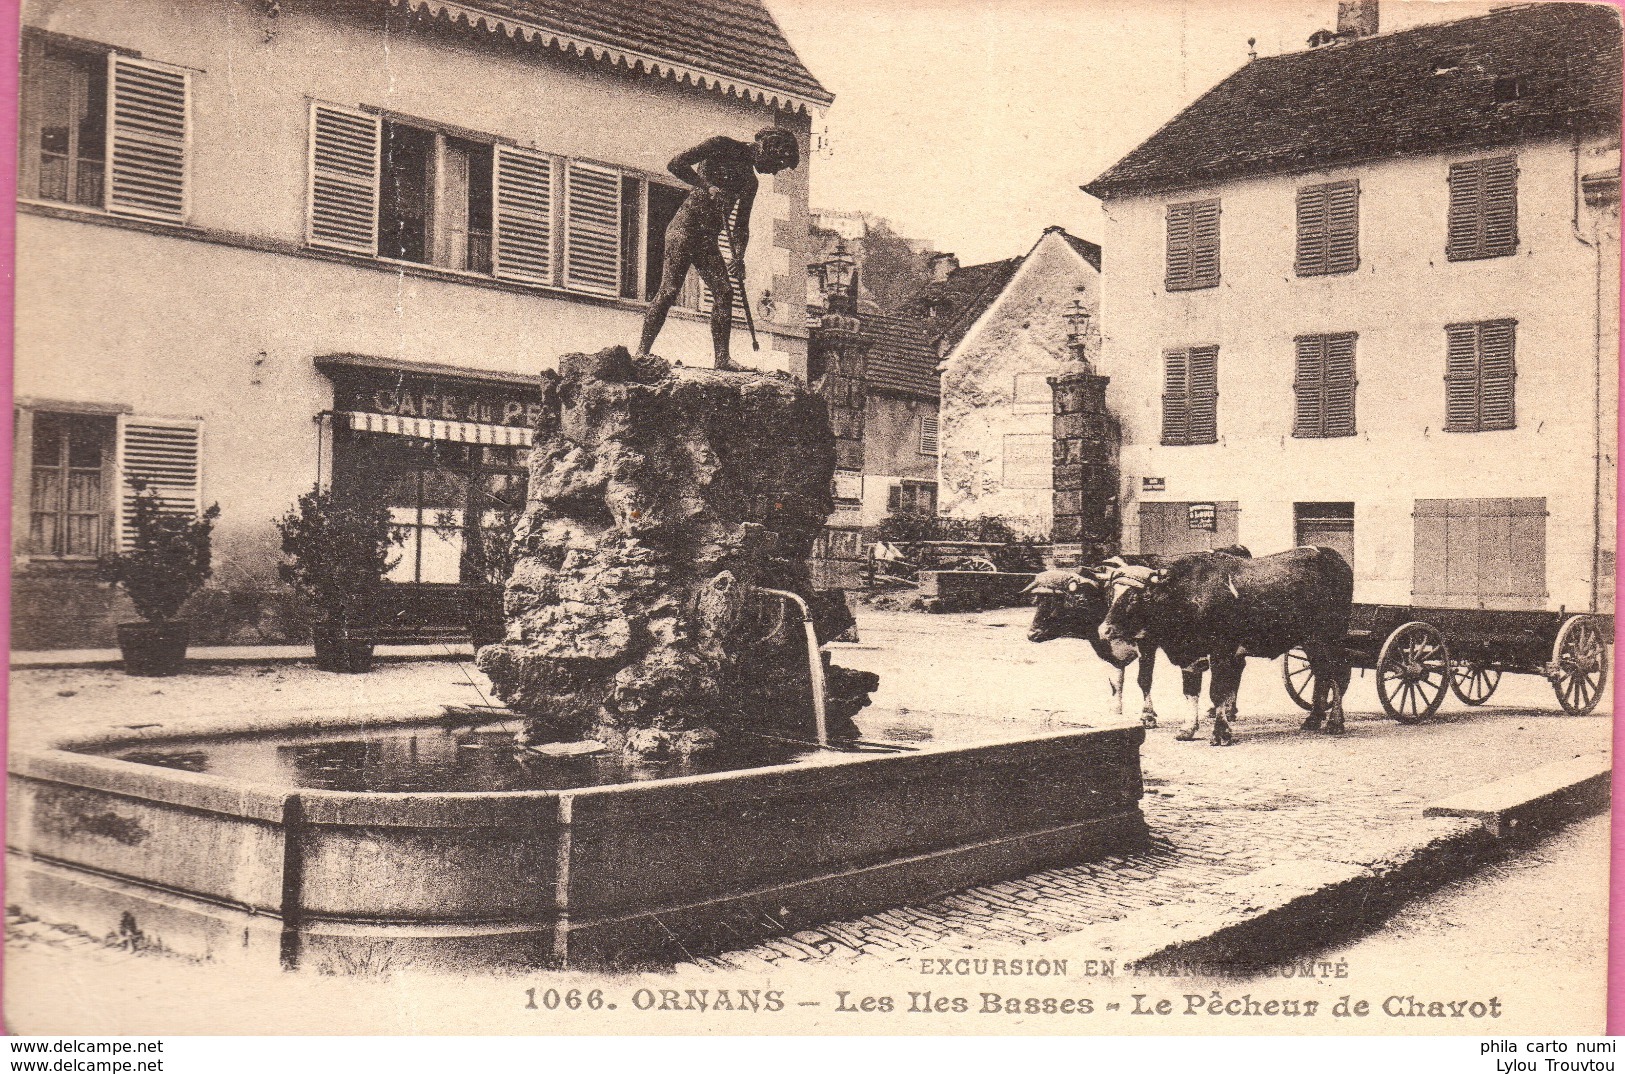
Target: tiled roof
1087	250
735	39
1427	89
902	358
964	296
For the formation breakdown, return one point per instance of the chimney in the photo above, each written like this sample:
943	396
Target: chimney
1356	18
942	266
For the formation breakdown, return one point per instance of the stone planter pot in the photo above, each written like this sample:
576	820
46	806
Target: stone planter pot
339	649
153	648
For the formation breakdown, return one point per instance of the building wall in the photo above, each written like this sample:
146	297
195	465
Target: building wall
1022	333
891	449
1398	301
221	319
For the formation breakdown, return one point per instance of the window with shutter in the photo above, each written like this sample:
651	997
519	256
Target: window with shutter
592	229
63	123
1480	376
928	435
1328	228
344	164
1193	246
1324	385
1203	405
1175	393
146	170
165	455
1483	213
523	230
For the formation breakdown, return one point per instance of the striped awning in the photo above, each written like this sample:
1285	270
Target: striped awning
462	432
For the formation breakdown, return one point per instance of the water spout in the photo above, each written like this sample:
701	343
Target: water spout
815	662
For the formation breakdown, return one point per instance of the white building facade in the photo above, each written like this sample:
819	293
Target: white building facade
265	245
1408	353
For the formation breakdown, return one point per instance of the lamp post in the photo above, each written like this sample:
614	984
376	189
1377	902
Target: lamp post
1077	319
837	273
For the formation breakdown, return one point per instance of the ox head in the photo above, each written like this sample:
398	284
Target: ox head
1131	596
1066	605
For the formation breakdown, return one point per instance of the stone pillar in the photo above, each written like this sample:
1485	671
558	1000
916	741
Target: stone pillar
660	500
838	357
1087	439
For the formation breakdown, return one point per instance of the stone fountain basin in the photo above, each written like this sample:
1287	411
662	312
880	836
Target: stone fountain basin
623	875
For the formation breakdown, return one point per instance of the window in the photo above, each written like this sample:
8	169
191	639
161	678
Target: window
1483	553
1325	525
387	188
912	498
1324	386
1480	376
83	472
1033	394
1190	396
1483	209
1193	245
1029	460
1328	228
104	130
68	499
928	434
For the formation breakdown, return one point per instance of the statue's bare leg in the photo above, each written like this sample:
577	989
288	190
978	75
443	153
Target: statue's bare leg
714	271
671	285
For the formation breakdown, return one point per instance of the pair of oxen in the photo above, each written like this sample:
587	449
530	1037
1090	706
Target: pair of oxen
1207	611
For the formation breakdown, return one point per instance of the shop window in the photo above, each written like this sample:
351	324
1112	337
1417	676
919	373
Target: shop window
82	103
1480	553
453	505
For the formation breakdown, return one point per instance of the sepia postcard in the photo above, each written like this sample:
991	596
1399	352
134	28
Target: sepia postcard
910	517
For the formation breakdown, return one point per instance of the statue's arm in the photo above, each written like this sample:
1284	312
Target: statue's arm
682	165
741	231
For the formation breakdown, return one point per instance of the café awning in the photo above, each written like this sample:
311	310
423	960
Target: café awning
462	432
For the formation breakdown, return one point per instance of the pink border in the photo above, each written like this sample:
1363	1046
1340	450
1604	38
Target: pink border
10	16
10	20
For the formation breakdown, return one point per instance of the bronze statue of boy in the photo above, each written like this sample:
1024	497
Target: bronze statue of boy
722	172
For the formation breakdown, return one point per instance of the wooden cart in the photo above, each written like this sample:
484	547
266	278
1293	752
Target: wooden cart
1421	653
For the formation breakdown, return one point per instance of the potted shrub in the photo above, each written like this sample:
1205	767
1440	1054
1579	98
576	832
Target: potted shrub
338	551
168	560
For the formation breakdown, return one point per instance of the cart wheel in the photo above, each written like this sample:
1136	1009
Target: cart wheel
1413	672
1473	683
980	564
1299	679
1579	665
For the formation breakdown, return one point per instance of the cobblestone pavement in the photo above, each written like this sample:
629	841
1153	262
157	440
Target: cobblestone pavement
1279	794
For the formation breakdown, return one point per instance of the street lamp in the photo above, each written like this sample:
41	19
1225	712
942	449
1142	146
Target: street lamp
1077	319
838	270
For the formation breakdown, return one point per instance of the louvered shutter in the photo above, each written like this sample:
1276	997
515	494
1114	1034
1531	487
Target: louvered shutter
1204	395
592	236
167	456
1180	218
928	436
1500	201
1496	375
344	160
1175	397
1342	227
1312	231
147	121
1483	209
1461	378
1205	245
1309	387
1337	375
524	216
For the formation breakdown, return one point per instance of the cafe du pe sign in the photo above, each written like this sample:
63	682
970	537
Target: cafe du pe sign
398	390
